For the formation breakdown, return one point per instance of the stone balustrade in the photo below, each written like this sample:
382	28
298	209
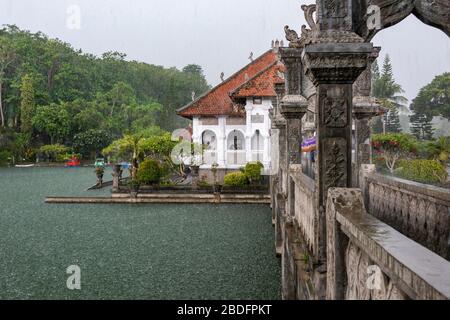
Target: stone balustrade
305	212
368	259
419	211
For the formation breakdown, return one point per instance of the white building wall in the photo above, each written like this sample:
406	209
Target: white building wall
222	131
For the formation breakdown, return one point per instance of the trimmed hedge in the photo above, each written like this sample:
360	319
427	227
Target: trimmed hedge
235	179
149	172
424	171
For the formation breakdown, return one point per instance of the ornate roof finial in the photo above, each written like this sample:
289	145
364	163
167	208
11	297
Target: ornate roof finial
222	76
193	95
273	44
251	56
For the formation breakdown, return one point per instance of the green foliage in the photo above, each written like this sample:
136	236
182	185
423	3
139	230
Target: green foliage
393	121
91	142
27	104
393	146
157	146
252	171
149	172
54	152
5	157
424	171
434	98
53	120
102	93
439	150
235	179
387	91
121	150
421	126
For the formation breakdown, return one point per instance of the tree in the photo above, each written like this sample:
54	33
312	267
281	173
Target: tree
88	119
52	120
387	91
91	142
434	98
393	121
27	105
122	94
393	146
7	57
421	126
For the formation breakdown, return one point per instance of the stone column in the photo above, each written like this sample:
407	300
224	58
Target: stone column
221	143
293	108
365	107
116	177
279	124
333	67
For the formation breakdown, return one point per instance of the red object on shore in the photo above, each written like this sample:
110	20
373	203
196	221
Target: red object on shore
74	162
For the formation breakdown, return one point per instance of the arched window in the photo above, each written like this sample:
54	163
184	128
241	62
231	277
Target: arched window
236	140
209	142
236	148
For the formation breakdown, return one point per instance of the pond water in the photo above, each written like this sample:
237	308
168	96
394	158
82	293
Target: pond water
128	251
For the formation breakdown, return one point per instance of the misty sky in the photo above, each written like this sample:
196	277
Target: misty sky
217	34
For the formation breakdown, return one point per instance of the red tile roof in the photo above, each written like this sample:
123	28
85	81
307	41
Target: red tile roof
218	101
262	84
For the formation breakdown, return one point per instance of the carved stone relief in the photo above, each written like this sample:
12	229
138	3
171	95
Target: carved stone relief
335	163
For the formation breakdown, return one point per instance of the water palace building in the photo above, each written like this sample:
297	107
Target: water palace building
232	120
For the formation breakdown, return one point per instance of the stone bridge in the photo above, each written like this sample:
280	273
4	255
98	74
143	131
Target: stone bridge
342	230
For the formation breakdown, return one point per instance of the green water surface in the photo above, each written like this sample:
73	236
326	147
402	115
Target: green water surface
142	251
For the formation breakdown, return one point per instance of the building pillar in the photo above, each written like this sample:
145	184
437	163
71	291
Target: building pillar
333	67
221	143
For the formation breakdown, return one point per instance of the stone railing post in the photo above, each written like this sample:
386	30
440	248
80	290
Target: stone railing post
364	171
333	67
293	108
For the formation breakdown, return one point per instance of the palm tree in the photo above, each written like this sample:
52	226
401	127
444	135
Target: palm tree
440	149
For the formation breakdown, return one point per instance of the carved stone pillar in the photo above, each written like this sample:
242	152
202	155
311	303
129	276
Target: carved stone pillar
333	67
279	124
364	108
293	108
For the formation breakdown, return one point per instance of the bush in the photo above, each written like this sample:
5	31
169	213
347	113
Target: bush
5	157
54	152
149	172
235	179
252	171
392	147
424	171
